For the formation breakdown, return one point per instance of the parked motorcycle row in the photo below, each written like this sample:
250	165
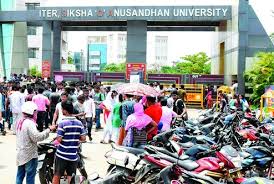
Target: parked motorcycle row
233	147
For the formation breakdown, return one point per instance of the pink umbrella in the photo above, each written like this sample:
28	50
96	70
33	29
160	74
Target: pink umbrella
137	89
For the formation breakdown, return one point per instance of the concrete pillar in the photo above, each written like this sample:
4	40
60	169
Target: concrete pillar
56	66
136	41
243	43
47	43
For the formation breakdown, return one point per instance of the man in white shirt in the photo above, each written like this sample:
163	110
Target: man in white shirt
58	114
16	100
89	107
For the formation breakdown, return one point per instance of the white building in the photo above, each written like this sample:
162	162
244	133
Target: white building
117	45
157	47
157	51
35	34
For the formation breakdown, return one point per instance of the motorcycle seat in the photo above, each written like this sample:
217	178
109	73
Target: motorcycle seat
186	145
244	154
134	151
169	154
188	165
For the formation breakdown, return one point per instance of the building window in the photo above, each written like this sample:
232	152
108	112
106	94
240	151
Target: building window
31	30
32	52
32	6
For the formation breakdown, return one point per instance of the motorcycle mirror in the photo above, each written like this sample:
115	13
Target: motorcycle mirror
126	161
180	152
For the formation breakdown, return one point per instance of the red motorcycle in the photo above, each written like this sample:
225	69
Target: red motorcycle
226	166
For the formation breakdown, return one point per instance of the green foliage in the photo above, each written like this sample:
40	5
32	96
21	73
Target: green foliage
121	67
70	60
34	72
190	64
261	75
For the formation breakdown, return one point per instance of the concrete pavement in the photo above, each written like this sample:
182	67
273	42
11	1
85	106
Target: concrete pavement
94	151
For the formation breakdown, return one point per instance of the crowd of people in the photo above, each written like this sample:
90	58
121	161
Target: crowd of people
226	101
31	108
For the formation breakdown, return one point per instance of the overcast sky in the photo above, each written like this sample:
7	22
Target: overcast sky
180	43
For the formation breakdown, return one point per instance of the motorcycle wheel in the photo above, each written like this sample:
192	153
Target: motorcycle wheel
46	173
83	172
151	179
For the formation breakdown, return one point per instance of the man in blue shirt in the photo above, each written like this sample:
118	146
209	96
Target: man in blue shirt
70	132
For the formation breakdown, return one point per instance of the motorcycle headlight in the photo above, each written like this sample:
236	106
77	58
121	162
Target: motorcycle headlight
50	150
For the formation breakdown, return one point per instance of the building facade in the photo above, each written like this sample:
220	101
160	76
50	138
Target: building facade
157	48
22	42
97	52
240	33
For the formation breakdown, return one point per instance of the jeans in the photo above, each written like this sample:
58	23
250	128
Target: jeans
8	114
89	126
41	118
97	118
28	169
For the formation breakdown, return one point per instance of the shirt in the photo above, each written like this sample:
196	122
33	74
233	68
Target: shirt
70	129
182	94
89	107
1	102
41	101
60	113
116	121
155	112
26	141
127	109
98	98
54	99
79	108
179	106
167	115
16	101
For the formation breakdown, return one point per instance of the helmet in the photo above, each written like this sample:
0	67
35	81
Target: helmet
29	108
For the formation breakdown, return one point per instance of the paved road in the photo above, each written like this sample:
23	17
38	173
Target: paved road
94	151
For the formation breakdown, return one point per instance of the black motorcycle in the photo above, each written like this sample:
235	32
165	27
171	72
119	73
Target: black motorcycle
46	152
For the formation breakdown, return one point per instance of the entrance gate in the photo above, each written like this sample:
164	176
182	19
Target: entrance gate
235	23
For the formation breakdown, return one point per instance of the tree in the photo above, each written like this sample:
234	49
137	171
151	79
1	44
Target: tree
70	60
34	71
113	67
261	75
191	64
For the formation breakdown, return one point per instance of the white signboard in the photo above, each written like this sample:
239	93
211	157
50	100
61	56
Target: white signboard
134	79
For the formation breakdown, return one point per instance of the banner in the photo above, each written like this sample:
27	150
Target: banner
135	67
45	69
58	78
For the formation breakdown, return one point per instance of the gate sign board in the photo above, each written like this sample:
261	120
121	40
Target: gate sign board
122	13
117	13
135	67
45	69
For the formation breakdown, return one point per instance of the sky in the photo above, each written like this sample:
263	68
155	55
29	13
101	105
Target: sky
190	42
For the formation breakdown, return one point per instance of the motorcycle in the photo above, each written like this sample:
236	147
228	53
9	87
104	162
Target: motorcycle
46	155
124	163
258	161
